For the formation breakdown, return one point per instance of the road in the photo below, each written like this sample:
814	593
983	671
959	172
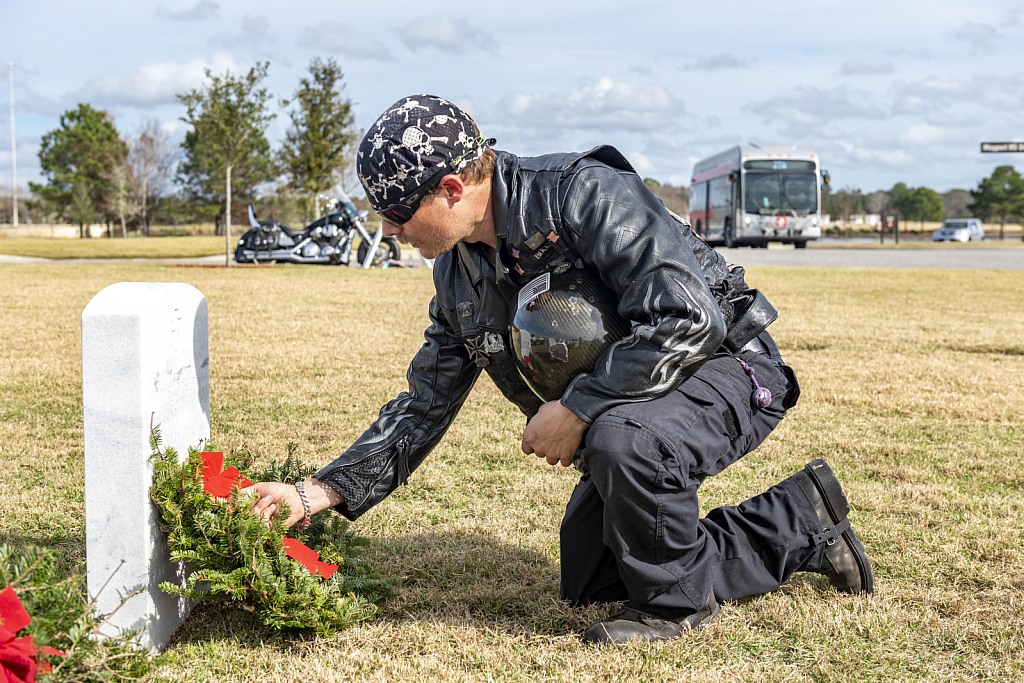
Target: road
974	257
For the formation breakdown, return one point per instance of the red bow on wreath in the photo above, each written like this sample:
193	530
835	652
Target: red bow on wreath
217	481
18	655
308	558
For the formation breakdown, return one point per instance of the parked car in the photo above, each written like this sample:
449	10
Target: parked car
959	229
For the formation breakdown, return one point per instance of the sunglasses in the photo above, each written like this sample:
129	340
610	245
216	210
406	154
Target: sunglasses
401	212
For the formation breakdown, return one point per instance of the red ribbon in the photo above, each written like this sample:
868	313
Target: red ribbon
308	558
18	655
217	481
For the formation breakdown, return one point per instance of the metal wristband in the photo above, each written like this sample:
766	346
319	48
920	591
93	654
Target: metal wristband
305	505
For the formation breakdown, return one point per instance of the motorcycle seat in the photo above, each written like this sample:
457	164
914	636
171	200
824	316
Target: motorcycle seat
276	225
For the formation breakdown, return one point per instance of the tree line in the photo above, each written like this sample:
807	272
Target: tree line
998	197
92	173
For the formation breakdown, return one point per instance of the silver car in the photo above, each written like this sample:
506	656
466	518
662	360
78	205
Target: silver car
959	229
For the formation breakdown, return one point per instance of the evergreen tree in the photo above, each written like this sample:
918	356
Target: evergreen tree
75	158
317	145
227	145
1000	195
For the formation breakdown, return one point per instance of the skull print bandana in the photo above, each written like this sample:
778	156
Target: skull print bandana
410	142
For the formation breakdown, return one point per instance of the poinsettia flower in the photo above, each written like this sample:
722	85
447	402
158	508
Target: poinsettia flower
308	558
217	481
18	655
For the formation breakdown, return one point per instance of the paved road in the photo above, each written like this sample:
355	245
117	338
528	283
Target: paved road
976	257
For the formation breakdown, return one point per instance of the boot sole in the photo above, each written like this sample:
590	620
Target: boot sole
831	492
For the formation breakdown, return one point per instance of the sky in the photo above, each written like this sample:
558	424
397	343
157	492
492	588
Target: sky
885	92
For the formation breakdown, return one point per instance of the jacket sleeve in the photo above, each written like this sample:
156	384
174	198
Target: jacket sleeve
619	226
408	427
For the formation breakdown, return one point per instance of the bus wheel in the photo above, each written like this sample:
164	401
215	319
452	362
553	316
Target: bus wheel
730	241
802	244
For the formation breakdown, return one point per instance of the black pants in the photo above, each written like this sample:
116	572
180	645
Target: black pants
632	529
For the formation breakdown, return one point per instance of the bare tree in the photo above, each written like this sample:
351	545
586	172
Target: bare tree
151	159
121	197
878	202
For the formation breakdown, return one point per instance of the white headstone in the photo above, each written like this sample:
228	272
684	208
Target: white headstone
145	360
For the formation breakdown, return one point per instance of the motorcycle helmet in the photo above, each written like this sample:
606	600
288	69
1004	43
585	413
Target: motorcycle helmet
560	324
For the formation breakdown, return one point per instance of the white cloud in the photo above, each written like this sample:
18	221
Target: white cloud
809	105
719	61
868	66
204	9
156	83
604	105
343	39
933	94
979	35
641	163
254	35
447	34
922	134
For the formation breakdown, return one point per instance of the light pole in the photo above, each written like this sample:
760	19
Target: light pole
14	151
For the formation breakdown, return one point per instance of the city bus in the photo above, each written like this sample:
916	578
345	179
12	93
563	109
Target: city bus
756	194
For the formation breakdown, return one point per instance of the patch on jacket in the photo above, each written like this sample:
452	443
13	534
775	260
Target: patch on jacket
465	309
482	346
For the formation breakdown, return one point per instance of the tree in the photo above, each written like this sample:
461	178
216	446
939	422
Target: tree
926	205
1001	195
315	148
81	209
121	198
229	119
956	203
151	159
75	158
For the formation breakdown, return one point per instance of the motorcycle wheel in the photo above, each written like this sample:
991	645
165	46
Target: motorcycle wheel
387	249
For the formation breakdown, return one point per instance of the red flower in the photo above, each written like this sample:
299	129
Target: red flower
18	655
308	558
217	481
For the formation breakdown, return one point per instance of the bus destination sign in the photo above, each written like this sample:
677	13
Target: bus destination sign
989	147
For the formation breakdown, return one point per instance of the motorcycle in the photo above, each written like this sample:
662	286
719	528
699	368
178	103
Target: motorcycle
327	241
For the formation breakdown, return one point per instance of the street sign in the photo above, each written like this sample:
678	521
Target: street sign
990	147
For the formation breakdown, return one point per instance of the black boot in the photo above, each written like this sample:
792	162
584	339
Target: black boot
633	624
844	561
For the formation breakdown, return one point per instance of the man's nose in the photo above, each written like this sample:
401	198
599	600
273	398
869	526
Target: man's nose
390	229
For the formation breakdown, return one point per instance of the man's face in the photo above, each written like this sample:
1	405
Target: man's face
433	229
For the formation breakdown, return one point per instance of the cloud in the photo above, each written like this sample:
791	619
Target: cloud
641	69
344	40
979	35
254	35
605	105
447	34
862	67
923	134
720	61
849	154
157	83
934	94
809	105
204	9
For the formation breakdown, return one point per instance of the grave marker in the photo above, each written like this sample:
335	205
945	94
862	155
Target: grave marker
145	360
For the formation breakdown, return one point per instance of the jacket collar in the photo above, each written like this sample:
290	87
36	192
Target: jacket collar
502	188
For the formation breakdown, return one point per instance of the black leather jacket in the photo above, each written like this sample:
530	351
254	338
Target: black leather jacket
552	212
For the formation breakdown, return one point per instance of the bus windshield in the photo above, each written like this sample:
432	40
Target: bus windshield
771	192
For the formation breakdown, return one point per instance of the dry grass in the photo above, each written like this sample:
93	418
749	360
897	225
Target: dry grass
102	247
912	390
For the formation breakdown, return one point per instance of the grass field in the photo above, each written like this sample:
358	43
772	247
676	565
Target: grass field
915	398
103	248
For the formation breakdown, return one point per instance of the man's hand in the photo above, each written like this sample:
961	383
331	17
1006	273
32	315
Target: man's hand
554	434
270	494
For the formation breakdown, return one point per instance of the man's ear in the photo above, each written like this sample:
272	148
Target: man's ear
452	188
